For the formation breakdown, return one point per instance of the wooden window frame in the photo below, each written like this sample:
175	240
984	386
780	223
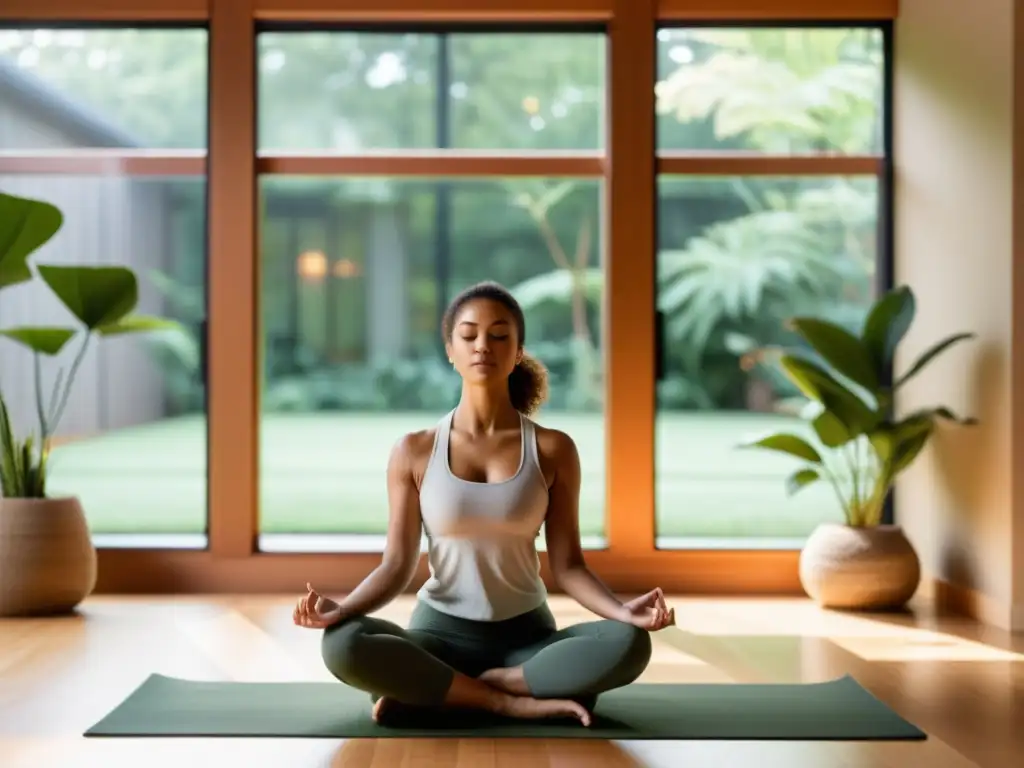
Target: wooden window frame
629	167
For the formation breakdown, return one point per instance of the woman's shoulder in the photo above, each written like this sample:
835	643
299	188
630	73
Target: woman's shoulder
411	453
555	445
416	446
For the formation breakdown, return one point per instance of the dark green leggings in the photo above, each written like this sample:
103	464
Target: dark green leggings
416	666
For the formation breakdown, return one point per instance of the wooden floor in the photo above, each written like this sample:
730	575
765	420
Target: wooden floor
962	684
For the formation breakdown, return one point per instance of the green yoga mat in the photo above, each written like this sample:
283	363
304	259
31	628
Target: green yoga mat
836	710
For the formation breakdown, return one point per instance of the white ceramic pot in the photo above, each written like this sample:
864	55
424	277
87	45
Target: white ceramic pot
872	568
47	559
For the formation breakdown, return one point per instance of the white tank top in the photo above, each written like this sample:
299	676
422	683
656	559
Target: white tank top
482	536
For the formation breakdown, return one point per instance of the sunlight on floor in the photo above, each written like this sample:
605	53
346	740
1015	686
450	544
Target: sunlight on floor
667	655
920	645
871	637
246	653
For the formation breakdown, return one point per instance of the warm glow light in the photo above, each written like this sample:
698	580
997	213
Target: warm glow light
923	645
345	268
531	105
861	634
311	265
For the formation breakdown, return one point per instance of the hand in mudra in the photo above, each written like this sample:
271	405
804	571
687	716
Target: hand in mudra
315	611
650	611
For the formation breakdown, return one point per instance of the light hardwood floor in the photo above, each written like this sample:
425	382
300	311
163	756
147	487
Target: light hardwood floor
961	683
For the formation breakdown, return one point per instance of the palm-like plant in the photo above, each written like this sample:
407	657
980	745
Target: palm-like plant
748	274
797	248
102	298
730	270
859	447
786	90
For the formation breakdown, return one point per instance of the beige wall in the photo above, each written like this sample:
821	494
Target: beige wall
956	206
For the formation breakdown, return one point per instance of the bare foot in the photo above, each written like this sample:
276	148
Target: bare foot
528	708
507	679
389	712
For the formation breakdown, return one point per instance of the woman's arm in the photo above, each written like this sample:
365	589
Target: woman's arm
562	528
402	550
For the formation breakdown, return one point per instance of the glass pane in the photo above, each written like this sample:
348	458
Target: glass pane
737	258
777	91
89	88
528	91
131	442
356	276
352	92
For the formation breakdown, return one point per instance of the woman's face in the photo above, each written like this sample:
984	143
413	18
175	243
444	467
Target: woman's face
484	344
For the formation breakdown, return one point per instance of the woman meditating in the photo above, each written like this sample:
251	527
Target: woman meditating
480	484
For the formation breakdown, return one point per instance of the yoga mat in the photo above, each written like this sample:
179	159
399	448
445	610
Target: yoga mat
836	710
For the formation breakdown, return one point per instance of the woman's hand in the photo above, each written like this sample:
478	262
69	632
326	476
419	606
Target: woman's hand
650	611
315	611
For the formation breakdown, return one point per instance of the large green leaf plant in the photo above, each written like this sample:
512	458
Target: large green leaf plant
101	298
856	444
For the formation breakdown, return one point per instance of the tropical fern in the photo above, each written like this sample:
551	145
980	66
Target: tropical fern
789	91
734	268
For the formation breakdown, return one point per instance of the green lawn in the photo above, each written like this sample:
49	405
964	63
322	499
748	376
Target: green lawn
325	473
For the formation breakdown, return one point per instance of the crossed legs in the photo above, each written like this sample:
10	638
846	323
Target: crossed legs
413	667
409	671
559	675
579	662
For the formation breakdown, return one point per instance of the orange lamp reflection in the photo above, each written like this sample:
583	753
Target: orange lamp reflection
311	265
345	268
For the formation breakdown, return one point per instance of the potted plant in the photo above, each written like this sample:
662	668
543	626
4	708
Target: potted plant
47	559
856	444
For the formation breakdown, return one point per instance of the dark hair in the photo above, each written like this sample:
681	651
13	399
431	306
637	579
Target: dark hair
528	382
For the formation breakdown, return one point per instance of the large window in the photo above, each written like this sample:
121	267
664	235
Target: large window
88	120
662	192
357	270
740	254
